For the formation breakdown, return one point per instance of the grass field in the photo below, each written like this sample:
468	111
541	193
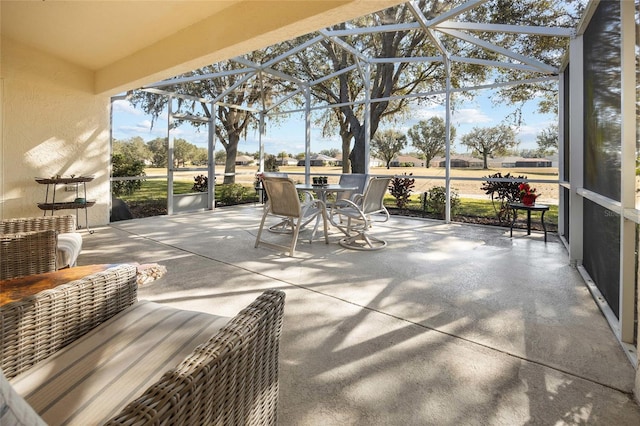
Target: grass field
425	178
477	205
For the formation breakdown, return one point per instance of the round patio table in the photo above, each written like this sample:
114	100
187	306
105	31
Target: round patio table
322	191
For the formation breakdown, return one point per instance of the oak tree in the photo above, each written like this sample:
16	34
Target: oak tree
489	141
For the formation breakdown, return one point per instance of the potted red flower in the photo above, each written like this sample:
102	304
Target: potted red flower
527	194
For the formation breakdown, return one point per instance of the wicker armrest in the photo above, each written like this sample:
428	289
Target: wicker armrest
231	379
65	223
36	327
27	253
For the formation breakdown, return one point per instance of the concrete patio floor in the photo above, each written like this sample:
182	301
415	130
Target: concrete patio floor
449	325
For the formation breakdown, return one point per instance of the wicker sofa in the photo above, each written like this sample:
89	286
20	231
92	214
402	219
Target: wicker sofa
88	352
27	253
68	243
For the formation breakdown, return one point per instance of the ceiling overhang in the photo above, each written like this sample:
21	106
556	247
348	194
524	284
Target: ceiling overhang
127	44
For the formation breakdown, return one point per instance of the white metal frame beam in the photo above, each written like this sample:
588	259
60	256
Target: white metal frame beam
541	66
505	28
497	64
189	79
628	171
409	26
454	12
344	45
293	51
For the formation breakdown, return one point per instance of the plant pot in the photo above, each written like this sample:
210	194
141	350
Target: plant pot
529	199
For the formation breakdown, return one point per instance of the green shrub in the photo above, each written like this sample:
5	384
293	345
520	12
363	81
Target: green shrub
400	189
232	193
126	167
271	163
502	193
435	201
201	183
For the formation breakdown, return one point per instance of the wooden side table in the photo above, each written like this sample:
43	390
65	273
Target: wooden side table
18	288
534	208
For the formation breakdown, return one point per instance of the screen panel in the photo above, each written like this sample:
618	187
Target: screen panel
601	235
566	146
566	194
602	126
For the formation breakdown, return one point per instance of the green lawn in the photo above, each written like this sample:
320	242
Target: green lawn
156	189
471	207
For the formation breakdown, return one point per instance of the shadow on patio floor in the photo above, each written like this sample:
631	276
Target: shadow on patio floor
450	324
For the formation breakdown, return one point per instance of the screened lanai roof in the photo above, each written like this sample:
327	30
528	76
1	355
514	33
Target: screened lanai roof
470	44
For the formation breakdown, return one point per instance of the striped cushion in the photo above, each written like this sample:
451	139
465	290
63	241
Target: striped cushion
92	379
14	411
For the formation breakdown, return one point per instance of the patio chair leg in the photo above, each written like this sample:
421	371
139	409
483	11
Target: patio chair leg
264	217
326	225
284	227
363	241
296	231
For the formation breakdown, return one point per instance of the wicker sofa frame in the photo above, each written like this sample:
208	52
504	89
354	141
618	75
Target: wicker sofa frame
66	237
231	379
65	223
27	253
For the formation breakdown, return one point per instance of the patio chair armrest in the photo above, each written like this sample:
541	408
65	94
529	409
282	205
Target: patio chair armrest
345	208
37	326
383	211
230	379
306	197
344	203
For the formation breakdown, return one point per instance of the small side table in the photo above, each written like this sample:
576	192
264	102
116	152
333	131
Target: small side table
17	288
535	208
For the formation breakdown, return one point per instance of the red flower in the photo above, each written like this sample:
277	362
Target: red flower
525	189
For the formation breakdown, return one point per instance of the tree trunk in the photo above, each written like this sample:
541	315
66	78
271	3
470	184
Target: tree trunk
484	159
357	153
346	145
358	161
230	162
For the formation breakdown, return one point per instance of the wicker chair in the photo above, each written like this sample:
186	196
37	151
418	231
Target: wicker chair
69	241
27	253
231	378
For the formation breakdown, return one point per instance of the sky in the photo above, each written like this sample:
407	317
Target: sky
288	135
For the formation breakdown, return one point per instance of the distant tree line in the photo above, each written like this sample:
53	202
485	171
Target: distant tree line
155	152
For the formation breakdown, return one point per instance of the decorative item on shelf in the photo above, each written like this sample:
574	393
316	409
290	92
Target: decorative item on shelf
527	194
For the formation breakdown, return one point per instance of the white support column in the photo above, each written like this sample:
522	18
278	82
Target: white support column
169	156
367	117
562	204
211	165
628	169
447	149
307	135
576	142
261	142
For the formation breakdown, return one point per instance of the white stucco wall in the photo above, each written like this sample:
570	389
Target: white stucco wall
52	124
